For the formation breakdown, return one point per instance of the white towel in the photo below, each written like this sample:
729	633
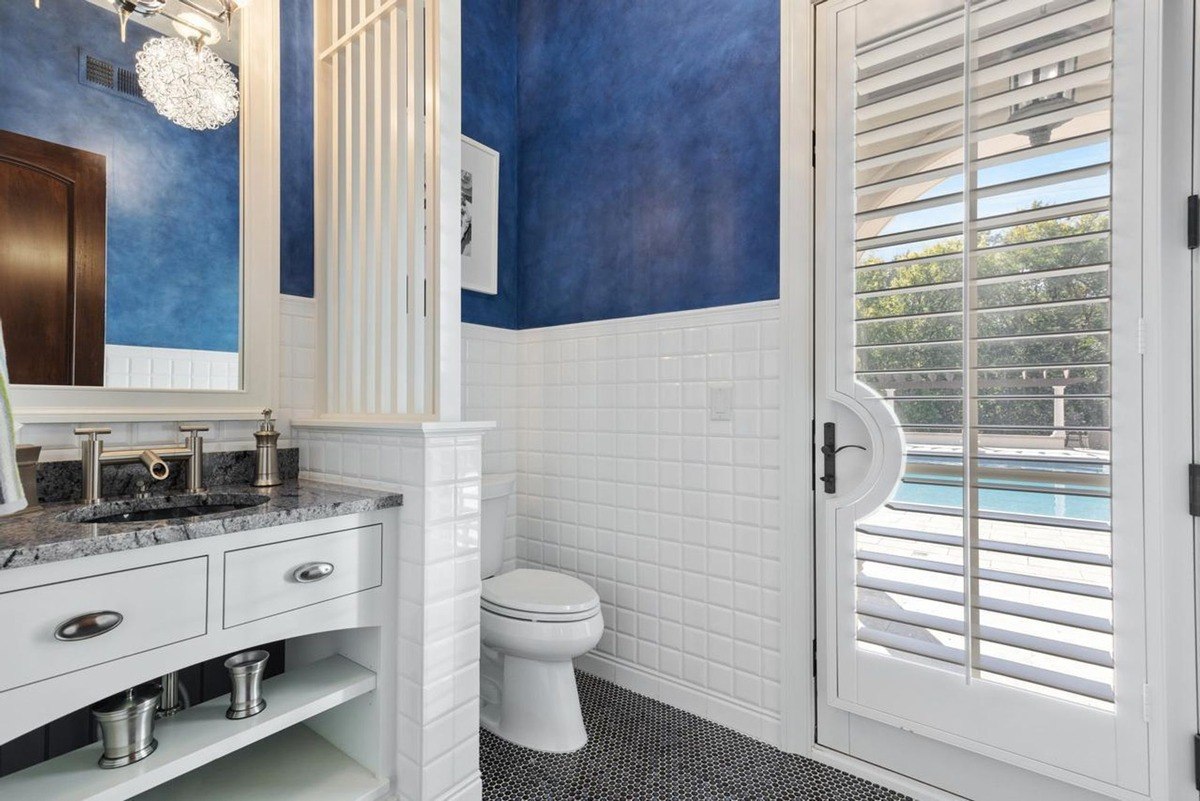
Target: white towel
12	494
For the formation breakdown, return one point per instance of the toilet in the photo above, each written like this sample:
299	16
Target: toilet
532	624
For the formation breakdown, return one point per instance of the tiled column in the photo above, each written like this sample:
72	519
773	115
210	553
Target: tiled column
437	467
438	705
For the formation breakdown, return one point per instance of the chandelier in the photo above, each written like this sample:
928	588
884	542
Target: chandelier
183	78
188	83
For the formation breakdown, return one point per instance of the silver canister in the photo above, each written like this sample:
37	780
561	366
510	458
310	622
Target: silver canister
266	453
127	725
245	674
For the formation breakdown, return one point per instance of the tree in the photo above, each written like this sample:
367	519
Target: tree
1041	312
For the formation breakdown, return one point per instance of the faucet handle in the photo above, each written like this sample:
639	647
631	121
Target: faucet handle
190	428
92	433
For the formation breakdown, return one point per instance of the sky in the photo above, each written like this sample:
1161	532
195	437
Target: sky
1064	192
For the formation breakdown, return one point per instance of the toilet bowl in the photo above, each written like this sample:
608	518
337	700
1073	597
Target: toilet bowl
532	624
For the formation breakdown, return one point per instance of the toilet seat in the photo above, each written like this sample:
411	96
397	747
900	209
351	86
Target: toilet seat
539	596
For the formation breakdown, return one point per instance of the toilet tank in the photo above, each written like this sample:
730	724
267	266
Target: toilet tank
495	494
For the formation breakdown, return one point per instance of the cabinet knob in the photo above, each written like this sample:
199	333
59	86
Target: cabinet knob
86	626
313	571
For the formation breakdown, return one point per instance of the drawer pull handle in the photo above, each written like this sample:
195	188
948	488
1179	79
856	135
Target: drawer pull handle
313	571
84	627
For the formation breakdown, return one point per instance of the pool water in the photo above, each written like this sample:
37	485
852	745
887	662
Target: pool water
1044	503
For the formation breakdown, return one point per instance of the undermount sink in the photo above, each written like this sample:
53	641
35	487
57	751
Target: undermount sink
164	507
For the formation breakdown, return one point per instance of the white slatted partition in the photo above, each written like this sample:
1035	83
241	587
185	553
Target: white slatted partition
371	238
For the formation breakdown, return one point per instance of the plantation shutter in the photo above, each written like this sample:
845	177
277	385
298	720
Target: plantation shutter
982	316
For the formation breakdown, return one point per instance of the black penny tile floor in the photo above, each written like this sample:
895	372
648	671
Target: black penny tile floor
639	748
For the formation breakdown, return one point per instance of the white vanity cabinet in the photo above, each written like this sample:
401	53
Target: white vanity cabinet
77	630
266	580
58	628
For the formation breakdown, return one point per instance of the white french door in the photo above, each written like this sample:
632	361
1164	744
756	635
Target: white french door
978	258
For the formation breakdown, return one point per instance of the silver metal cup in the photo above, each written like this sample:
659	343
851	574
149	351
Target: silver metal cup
127	726
245	674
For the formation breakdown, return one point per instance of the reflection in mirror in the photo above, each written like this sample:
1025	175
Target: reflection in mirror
119	226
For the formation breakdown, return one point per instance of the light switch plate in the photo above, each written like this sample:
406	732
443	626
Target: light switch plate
720	402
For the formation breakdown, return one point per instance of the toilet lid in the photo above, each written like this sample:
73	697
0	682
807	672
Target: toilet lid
539	591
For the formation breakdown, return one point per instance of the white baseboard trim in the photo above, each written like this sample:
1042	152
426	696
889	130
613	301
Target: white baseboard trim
881	776
743	719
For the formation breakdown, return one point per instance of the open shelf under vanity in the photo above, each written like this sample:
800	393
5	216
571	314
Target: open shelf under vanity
203	755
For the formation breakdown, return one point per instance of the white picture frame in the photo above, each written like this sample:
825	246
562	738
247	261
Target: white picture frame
480	206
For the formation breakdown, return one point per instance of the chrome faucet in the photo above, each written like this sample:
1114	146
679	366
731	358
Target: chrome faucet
95	457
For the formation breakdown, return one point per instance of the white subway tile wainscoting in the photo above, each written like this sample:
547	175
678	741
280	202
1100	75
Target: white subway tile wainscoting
647	461
169	368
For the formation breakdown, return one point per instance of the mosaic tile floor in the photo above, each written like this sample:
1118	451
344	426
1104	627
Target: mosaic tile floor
639	748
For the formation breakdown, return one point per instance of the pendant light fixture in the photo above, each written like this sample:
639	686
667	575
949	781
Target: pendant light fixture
188	83
182	77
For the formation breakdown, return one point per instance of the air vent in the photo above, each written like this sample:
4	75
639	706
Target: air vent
108	77
99	72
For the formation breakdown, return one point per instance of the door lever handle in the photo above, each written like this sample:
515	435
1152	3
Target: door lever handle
830	450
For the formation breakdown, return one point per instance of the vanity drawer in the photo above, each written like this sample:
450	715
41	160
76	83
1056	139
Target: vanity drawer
56	630
271	579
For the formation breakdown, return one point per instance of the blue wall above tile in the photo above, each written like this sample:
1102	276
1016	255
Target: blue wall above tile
649	157
296	148
172	193
489	116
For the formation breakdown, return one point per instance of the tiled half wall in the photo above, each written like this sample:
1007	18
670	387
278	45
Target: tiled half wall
628	479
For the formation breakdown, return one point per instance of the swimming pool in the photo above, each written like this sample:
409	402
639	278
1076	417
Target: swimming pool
1044	503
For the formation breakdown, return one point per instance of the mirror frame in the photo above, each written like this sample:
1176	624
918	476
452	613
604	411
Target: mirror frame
259	297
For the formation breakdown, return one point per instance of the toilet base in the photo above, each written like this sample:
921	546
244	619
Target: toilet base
538	706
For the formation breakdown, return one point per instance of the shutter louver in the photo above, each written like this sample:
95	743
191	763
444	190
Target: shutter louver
982	317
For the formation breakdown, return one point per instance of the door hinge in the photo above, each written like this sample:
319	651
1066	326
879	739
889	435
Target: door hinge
1196	757
1141	336
1146	703
1193	222
1194	489
814	147
814	657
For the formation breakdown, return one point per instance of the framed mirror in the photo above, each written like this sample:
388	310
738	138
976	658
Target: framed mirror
139	208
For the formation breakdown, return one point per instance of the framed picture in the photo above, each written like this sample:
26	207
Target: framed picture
480	212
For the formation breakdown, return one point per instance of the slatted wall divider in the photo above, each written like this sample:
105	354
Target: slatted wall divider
371	209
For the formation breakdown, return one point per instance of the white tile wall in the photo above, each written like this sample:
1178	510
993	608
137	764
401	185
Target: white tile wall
626	482
297	362
491	360
491	391
298	321
169	368
438	638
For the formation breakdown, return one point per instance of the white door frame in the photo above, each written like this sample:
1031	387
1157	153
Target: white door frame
1171	558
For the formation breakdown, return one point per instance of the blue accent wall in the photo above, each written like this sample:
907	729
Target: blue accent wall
296	221
649	157
489	115
172	267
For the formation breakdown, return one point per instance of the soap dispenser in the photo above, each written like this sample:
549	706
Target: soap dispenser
266	453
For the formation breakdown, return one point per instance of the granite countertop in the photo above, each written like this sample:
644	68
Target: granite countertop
47	534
